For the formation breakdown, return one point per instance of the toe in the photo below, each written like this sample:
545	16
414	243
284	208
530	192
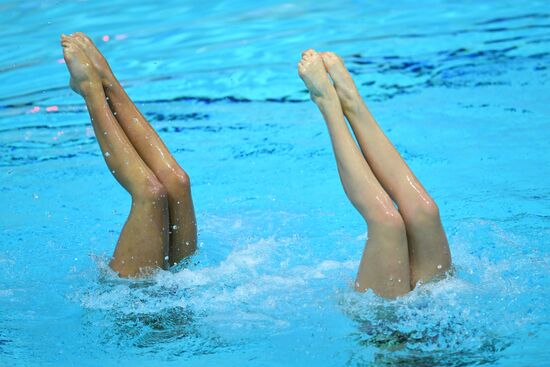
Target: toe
79	42
81	37
330	59
328	56
308	53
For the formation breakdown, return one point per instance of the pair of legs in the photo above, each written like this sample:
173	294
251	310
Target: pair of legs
161	229
407	244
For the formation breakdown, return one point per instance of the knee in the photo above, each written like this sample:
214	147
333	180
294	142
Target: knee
390	221
151	189
425	211
176	180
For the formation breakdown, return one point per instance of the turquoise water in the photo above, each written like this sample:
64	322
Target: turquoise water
462	90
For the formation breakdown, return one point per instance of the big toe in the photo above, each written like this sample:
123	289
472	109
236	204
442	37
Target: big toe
308	54
83	38
332	60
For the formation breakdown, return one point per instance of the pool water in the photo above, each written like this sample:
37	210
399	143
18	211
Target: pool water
463	92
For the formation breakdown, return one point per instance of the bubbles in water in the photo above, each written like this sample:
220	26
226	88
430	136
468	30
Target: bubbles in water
35	196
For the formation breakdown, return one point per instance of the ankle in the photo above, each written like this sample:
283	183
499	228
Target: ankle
350	99
90	87
325	100
108	80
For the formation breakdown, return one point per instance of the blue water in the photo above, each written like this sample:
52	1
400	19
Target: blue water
462	90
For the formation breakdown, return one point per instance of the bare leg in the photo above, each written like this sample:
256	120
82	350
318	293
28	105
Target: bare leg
384	266
183	228
143	242
428	247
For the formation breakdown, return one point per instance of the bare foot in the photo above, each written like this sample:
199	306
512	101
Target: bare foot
343	82
83	75
313	73
98	60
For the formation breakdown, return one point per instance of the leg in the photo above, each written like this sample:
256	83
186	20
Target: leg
384	266
143	242
428	246
183	228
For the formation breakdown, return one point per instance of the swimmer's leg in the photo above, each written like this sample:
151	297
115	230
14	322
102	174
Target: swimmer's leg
428	247
183	228
384	265
143	242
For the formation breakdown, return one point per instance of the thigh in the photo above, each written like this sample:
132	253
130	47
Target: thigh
384	266
428	248
143	242
183	224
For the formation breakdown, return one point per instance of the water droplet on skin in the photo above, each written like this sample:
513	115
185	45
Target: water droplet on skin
186	243
107	154
174	227
178	203
114	113
166	258
107	98
105	133
439	266
113	171
391	279
399	280
356	284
